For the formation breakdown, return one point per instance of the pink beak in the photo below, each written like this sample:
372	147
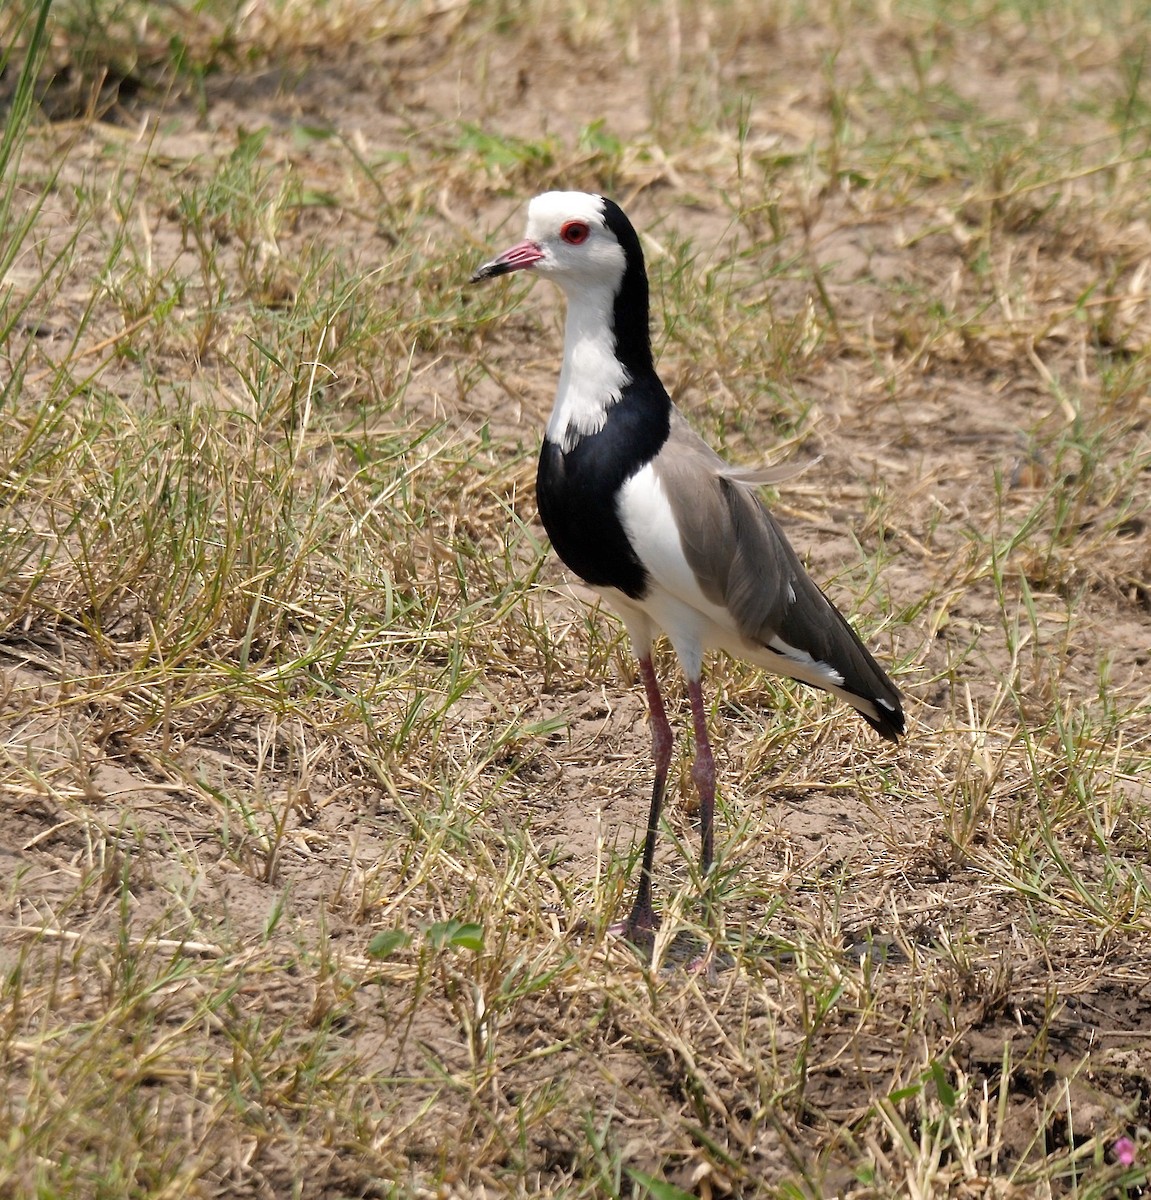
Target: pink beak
518	258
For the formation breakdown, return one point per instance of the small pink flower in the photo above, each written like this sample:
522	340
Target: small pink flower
1124	1151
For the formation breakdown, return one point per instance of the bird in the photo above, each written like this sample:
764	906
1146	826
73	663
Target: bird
674	538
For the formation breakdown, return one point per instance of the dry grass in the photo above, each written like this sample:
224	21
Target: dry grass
321	783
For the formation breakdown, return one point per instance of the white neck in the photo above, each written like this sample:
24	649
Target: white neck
592	379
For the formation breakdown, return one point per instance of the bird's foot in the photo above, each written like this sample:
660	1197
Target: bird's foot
704	966
640	927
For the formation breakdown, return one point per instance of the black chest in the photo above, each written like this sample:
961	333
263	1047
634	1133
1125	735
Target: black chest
576	489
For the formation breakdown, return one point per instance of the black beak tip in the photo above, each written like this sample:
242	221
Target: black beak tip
487	271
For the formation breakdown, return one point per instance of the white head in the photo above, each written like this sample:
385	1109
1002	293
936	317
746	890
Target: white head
569	239
588	246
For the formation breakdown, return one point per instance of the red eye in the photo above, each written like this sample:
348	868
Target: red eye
575	233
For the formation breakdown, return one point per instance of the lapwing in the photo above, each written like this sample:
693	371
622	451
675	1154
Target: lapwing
674	538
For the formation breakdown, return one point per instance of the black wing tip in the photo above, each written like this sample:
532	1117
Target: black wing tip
890	725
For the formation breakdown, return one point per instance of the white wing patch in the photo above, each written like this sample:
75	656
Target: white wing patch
674	601
649	523
828	675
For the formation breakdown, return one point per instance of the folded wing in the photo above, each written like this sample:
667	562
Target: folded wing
744	565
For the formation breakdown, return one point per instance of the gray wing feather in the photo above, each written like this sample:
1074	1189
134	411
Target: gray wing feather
743	560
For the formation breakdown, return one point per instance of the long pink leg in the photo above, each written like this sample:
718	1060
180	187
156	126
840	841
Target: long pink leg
643	922
703	775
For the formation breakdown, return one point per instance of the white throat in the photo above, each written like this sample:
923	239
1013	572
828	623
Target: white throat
592	379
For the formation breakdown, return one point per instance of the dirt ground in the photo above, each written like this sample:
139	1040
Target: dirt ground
964	375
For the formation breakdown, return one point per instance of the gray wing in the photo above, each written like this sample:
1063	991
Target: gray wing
743	561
